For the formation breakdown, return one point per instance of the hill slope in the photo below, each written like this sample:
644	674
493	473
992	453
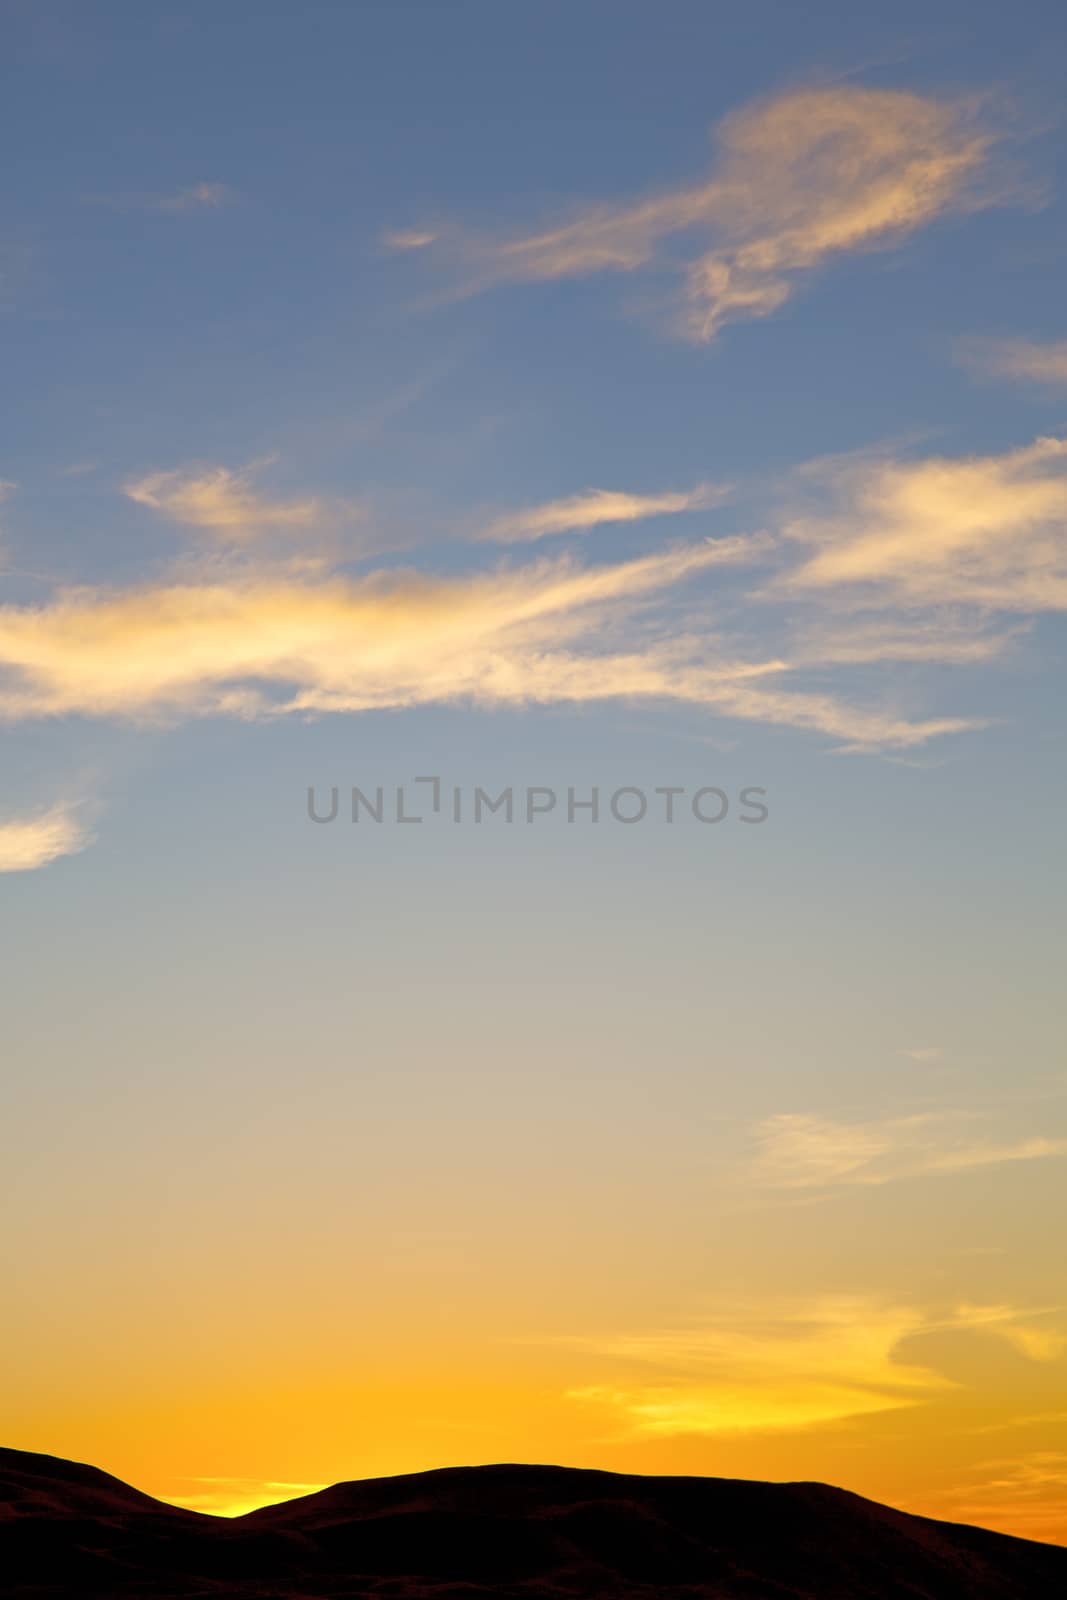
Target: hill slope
501	1533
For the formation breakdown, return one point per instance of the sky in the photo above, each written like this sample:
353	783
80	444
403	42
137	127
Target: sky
484	408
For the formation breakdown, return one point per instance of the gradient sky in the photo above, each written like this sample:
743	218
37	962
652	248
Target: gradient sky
554	395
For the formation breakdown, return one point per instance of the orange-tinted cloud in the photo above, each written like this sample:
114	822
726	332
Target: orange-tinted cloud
29	842
221	500
548	631
767	1366
805	1151
985	531
799	180
580	512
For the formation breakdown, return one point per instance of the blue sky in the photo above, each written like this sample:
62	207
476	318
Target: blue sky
569	395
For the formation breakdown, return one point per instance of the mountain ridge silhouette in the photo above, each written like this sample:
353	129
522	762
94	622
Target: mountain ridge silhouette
501	1532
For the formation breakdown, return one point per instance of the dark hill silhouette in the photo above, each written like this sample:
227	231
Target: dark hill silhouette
501	1533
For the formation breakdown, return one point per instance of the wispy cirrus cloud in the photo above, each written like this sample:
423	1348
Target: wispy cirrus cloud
30	842
983	531
1022	359
780	1365
800	1150
874	638
206	195
905	561
263	643
263	636
1023	1494
390	638
765	1366
581	512
221	500
799	180
901	561
195	197
409	238
1032	1335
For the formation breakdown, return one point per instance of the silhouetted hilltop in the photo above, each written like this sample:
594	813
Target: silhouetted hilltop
501	1533
47	1486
